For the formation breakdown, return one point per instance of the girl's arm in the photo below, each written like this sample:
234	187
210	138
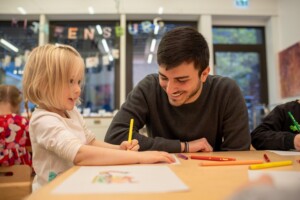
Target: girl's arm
92	155
134	146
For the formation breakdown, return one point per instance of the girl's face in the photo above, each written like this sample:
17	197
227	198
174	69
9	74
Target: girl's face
71	93
72	90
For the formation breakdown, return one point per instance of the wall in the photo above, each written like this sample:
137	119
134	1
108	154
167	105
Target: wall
289	34
190	7
279	17
289	16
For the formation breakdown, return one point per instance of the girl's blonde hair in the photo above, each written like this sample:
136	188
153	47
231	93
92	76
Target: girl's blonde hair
12	95
47	71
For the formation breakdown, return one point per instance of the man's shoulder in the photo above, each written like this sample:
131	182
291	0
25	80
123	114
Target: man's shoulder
219	78
149	81
221	81
151	77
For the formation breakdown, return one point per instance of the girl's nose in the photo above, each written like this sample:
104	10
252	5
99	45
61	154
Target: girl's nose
77	89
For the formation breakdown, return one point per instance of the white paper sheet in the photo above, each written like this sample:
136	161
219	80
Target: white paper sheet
121	179
282	179
287	153
176	160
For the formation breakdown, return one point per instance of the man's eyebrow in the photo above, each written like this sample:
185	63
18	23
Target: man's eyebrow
179	77
182	77
161	74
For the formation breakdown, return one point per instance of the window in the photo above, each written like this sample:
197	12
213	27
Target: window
98	44
142	41
239	53
17	39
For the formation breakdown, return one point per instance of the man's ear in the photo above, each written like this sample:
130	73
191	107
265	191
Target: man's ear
205	74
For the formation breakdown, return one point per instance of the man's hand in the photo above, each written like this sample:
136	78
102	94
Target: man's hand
297	142
199	145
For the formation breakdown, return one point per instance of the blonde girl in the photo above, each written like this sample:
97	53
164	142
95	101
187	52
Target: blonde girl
52	80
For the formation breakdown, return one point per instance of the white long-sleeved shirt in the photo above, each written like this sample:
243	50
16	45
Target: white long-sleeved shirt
55	142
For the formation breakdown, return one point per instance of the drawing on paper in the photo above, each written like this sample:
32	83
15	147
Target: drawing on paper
111	177
121	179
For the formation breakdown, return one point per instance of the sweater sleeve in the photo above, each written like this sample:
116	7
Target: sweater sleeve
270	133
137	107
235	120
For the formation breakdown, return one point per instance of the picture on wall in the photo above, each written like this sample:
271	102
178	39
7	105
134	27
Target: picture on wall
289	66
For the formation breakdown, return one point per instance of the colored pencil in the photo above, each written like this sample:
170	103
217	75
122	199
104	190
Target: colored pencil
179	155
236	162
294	121
267	159
214	158
271	164
130	130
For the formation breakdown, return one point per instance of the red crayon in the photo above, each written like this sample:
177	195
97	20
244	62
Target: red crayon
266	158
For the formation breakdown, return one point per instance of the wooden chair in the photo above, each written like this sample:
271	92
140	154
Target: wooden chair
15	182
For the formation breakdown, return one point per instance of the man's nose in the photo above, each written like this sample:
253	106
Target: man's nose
171	87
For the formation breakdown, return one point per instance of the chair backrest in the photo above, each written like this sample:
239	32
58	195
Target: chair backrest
15	173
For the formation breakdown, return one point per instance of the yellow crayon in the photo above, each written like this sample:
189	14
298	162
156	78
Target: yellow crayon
271	164
130	130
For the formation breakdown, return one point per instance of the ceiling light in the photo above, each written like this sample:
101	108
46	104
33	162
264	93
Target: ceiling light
105	45
160	10
22	10
91	10
150	56
156	29
99	29
153	43
9	45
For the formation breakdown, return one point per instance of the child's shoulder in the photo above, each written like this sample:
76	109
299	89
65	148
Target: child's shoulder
13	118
42	114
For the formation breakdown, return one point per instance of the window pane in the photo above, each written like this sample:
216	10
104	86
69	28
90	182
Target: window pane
23	35
145	43
240	54
237	35
99	47
244	68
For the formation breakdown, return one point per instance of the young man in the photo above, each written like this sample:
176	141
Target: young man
183	107
277	130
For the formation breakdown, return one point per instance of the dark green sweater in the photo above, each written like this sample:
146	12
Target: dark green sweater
219	115
274	133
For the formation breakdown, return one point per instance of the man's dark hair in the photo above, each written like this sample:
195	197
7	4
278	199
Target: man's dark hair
183	44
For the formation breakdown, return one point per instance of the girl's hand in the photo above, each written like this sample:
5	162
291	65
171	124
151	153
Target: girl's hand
133	146
148	157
